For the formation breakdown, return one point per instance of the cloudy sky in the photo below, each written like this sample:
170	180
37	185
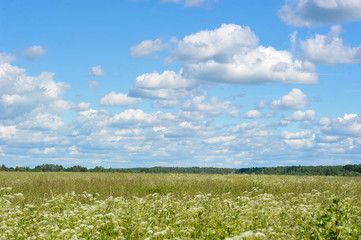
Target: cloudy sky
223	83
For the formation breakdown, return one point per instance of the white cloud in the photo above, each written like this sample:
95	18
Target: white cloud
252	114
329	49
282	122
34	52
308	115
219	44
165	103
190	3
91	119
41	121
293	40
135	117
349	125
297	135
147	47
341	145
300	143
312	13
230	54
214	107
261	103
61	106
295	99
251	129
96	71
7	58
167	85
220	139
93	84
261	65
7	131
299	140
118	99
168	79
45	151
73	150
20	93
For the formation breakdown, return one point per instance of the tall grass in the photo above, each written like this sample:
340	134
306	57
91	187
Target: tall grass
36	186
178	206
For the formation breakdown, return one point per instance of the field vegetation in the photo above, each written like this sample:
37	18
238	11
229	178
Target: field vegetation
90	205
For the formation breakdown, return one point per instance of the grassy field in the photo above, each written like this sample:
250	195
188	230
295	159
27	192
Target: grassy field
178	206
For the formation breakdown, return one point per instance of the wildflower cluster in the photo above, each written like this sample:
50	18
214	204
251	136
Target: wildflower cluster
251	215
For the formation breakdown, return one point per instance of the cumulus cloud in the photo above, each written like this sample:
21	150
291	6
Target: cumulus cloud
349	125
118	99
61	106
165	103
308	115
293	40
20	93
251	129
300	143
295	99
147	47
220	139
34	52
96	71
219	44
342	145
135	117
312	13
48	150
214	107
252	114
297	135
90	120
329	49
167	85
93	84
261	104
7	131
190	3
39	120
7	57
262	65
299	140
230	54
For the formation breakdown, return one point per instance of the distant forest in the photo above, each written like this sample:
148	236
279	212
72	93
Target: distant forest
346	170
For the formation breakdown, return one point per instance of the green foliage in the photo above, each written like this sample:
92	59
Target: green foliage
49	168
334	222
253	214
201	170
347	170
353	168
76	168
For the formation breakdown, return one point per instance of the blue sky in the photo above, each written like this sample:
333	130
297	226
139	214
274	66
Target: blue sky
180	83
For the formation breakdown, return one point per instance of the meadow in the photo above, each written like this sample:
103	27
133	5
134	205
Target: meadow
178	206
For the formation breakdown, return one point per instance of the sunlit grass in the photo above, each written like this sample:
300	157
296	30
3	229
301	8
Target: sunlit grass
37	185
178	206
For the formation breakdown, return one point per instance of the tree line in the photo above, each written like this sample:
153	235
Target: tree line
60	168
346	170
